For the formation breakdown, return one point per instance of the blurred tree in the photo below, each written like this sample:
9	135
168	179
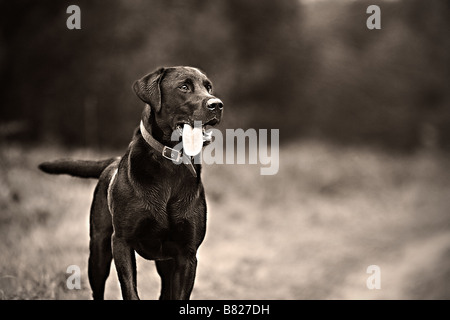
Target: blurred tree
310	69
380	86
23	63
270	63
430	23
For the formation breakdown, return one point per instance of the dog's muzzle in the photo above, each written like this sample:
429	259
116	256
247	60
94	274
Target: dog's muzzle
214	104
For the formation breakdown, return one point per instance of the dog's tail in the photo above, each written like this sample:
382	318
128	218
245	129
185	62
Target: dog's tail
77	168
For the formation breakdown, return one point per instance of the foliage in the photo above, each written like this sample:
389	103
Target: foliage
309	69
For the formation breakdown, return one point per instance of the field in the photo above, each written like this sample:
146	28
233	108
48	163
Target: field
309	232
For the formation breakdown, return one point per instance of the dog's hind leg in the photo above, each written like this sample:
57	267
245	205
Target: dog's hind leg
101	229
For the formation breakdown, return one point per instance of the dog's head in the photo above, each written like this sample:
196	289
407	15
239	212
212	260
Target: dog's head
179	96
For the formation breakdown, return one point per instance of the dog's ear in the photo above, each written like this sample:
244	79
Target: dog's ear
148	90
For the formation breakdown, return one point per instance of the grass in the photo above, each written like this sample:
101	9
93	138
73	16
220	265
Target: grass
309	232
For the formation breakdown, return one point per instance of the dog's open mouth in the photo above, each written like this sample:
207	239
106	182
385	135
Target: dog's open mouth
195	137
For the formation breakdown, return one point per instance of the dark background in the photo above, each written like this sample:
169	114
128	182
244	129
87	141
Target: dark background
310	70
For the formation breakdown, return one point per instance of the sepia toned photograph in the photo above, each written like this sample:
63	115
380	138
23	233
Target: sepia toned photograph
225	150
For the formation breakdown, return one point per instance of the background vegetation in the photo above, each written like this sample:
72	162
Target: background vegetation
309	69
309	232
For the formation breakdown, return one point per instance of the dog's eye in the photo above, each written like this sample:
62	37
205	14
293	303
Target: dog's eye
183	87
209	88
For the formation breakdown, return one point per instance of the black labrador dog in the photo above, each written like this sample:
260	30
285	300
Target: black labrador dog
151	200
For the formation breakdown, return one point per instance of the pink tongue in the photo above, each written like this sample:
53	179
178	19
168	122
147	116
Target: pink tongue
192	140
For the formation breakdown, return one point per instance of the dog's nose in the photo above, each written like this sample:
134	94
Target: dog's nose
214	104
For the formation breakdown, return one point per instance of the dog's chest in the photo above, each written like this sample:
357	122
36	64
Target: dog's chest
168	229
160	239
161	218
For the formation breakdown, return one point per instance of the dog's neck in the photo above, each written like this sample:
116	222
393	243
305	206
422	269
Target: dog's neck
152	127
158	143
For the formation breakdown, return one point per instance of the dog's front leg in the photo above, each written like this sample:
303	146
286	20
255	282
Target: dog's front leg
184	276
125	261
177	277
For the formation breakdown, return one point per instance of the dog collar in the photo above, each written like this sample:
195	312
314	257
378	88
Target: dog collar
167	152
